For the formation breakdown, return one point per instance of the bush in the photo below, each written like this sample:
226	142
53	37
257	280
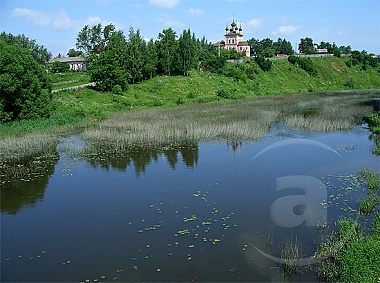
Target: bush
117	90
227	94
264	64
60	67
292	59
24	85
307	65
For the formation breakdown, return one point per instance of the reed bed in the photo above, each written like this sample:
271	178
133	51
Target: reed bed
291	252
182	125
240	120
26	156
21	148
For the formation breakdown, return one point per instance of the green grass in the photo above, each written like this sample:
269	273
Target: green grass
352	253
86	107
69	79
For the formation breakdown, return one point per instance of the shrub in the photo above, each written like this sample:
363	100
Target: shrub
264	64
292	59
307	65
60	67
24	85
368	204
227	94
349	83
117	90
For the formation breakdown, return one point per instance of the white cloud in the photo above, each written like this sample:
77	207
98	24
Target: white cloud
163	18
63	22
286	30
195	12
166	4
37	18
254	23
59	20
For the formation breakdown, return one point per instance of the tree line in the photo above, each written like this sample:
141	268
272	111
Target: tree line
117	60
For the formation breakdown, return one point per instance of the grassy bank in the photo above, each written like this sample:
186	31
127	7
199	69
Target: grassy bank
84	107
373	121
352	252
64	80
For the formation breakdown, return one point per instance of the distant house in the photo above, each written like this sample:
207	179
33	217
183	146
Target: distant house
234	40
76	64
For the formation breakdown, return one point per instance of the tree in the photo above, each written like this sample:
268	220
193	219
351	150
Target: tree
24	85
93	40
39	52
282	46
264	64
73	53
331	48
188	51
60	67
136	51
168	51
108	69
150	60
306	46
345	49
255	46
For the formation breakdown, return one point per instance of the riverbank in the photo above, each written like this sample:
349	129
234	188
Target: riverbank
81	108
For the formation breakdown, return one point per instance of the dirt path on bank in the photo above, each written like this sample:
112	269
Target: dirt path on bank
74	87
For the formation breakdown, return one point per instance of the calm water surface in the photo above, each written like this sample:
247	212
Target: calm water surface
190	213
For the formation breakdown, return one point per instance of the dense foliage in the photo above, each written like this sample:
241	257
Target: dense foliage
24	85
268	48
59	67
117	60
39	52
304	63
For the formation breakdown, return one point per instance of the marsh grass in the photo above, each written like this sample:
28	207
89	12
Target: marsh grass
203	122
291	252
26	156
238	120
328	113
352	252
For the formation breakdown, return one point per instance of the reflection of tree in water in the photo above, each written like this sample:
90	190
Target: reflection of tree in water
235	145
26	189
141	157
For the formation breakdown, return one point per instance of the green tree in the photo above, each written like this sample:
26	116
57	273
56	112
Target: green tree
168	52
188	51
108	69
60	67
306	46
136	47
150	60
255	46
93	40
282	46
345	49
74	53
264	64
24	85
39	52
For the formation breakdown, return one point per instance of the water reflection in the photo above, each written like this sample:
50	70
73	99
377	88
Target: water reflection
142	157
17	193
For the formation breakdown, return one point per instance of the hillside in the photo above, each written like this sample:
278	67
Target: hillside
83	107
283	78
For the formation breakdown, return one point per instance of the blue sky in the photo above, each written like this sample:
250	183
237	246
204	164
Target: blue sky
56	23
